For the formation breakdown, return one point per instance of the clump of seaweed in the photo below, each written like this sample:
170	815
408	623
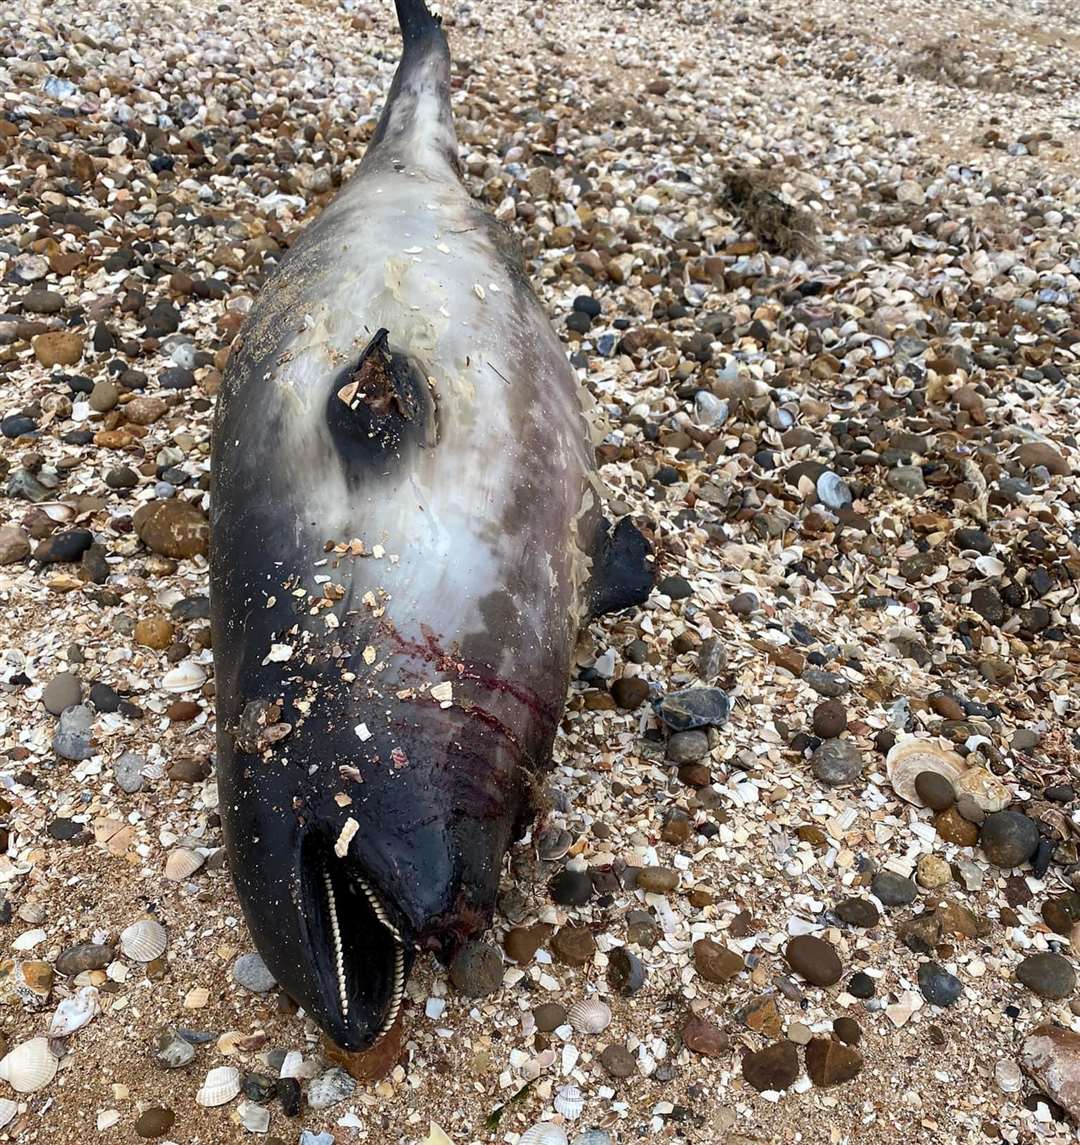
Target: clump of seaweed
779	224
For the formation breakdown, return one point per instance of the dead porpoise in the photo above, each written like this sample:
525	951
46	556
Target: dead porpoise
406	536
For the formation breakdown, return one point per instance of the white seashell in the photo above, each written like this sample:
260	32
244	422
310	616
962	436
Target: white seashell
57	511
222	1084
107	1118
329	1088
29	1066
590	1016
8	1109
182	863
908	759
74	1013
1008	1076
986	789
544	1134
569	1102
29	939
185	677
989	565
144	940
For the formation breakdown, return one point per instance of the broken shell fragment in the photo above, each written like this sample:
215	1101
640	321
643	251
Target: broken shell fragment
986	789
74	1013
143	941
222	1084
8	1109
29	1066
908	759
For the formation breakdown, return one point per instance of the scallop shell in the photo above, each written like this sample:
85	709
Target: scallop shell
144	940
29	1066
185	677
544	1134
73	1013
569	1102
987	790
222	1084
181	863
911	757
590	1016
8	1109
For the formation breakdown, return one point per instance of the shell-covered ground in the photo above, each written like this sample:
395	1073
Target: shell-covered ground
834	260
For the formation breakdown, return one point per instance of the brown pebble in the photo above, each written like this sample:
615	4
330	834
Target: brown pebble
677	828
618	1061
946	705
773	1068
630	692
573	945
695	775
706	1038
954	828
182	711
549	1016
847	1030
716	963
934	790
815	959
188	769
829	719
522	943
657	880
154	632
154	1122
829	1062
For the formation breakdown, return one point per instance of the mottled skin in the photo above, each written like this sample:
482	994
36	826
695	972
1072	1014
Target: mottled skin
483	500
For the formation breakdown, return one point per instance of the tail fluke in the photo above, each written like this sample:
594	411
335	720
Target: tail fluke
416	21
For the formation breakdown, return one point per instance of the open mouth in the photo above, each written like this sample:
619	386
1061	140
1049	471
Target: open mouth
365	955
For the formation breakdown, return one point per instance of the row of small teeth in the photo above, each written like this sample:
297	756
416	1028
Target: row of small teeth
339	950
378	908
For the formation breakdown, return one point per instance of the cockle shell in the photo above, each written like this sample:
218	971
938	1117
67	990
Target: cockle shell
590	1016
185	677
908	759
73	1013
222	1084
545	1133
182	863
569	1102
144	940
29	1066
8	1109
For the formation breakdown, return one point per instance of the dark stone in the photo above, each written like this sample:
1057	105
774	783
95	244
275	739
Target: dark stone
829	719
774	1068
814	959
892	889
571	888
630	692
625	972
691	708
62	547
935	790
938	986
858	912
1048	975
677	587
1008	838
477	970
861	985
987	602
829	1062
